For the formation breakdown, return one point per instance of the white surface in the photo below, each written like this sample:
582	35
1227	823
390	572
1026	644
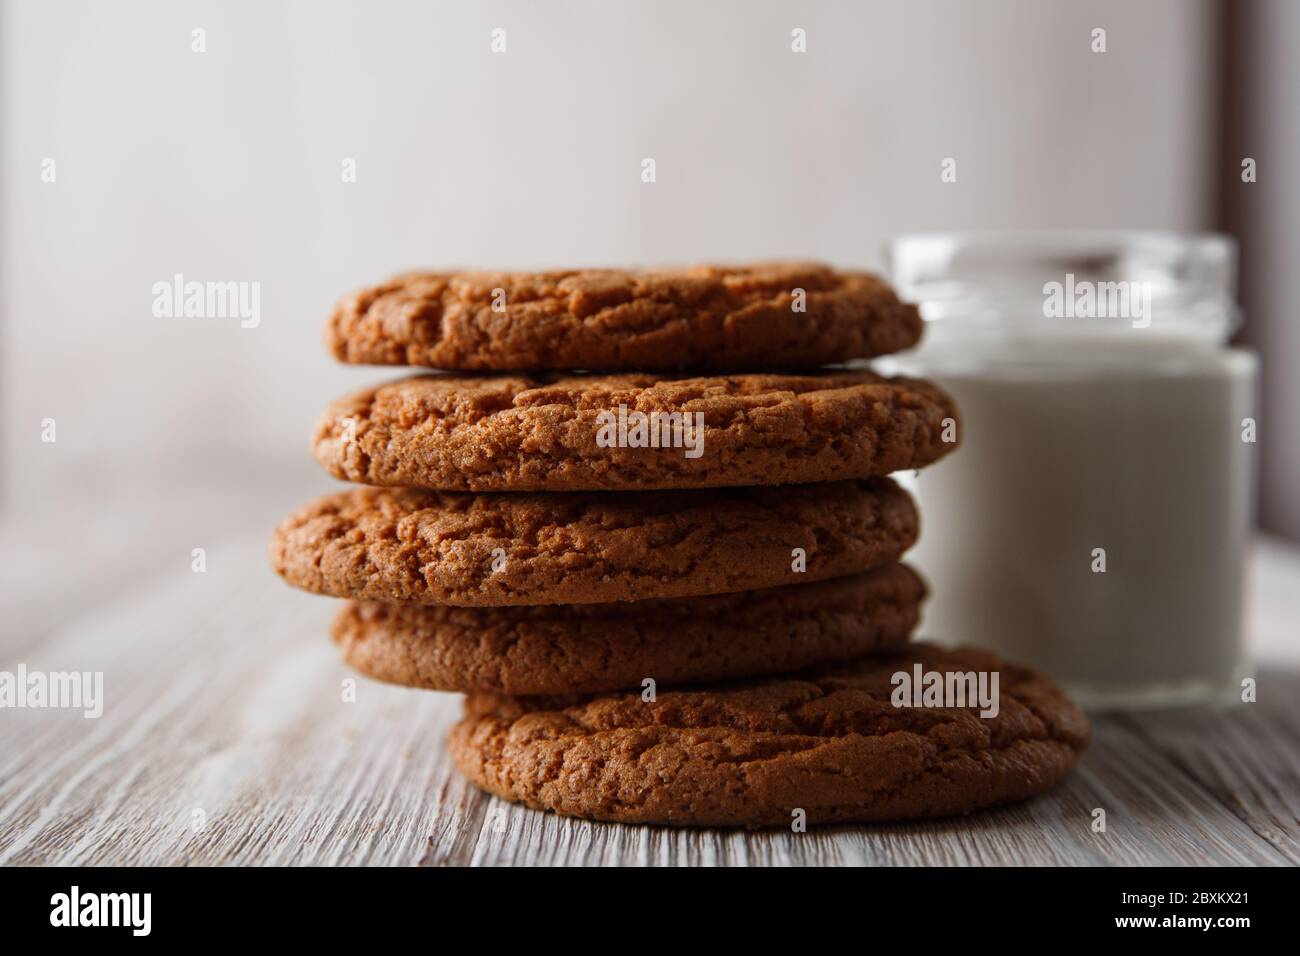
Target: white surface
223	695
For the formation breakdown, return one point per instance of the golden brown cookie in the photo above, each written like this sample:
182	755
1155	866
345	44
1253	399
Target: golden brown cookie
829	742
426	547
589	648
633	431
706	317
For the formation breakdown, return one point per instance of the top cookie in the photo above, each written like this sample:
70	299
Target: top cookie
720	318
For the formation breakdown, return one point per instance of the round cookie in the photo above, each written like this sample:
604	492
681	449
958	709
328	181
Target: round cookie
564	432
704	318
590	648
427	547
828	742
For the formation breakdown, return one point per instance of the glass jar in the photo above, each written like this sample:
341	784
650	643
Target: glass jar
1095	520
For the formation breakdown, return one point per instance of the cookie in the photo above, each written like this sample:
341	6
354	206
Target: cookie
589	648
828	742
427	547
704	318
634	431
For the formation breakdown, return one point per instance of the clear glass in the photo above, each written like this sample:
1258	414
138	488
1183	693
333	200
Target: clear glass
1095	521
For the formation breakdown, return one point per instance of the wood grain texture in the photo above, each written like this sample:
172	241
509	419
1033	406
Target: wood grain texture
225	705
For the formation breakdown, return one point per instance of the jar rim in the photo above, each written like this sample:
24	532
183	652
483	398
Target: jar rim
1183	281
1215	243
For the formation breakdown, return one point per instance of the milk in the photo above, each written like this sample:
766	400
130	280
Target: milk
1150	469
1094	522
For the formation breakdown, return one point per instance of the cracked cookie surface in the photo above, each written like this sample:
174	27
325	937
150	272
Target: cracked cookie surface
828	742
428	547
588	648
553	433
701	318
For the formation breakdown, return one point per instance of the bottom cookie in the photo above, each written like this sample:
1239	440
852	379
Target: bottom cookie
593	648
825	746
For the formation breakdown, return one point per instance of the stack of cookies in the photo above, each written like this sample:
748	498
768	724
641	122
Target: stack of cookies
653	538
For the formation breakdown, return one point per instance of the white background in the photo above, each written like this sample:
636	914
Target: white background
226	165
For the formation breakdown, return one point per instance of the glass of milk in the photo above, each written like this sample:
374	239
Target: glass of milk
1095	520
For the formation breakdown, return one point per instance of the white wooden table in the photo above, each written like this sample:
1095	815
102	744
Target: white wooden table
225	738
